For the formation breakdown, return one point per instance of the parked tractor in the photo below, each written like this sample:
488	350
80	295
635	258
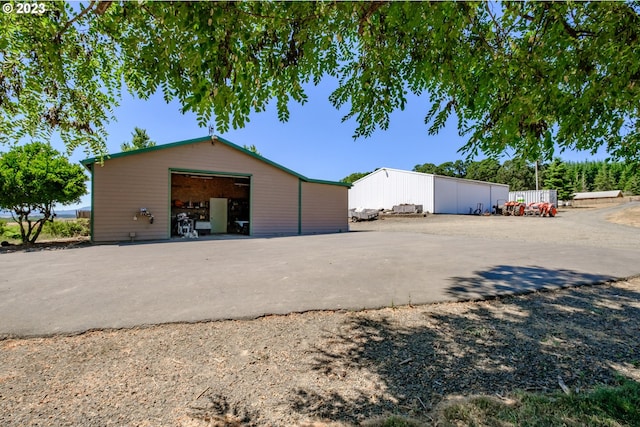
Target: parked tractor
541	209
514	208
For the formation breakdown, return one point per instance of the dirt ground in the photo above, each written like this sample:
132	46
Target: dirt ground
335	368
630	216
612	225
49	245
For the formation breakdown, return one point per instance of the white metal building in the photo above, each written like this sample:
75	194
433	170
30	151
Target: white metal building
534	196
388	187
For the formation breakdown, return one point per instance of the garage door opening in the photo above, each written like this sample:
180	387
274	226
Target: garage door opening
209	204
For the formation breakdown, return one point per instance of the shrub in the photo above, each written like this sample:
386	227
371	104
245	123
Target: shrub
70	228
9	231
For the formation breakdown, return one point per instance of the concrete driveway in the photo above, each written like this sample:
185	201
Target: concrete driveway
116	286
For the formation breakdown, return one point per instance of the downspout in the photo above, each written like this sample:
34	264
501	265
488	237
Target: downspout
169	207
251	205
299	206
92	205
490	200
433	194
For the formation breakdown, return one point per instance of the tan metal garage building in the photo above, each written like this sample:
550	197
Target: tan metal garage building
207	185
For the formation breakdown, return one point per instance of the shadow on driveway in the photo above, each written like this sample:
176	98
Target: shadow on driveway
508	280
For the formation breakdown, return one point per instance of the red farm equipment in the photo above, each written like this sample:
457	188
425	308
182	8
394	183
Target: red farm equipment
532	209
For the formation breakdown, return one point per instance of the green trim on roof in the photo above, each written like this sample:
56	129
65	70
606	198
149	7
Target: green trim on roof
215	139
145	150
259	157
320	181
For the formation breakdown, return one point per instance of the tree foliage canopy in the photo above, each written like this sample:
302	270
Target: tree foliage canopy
520	76
456	169
33	179
354	177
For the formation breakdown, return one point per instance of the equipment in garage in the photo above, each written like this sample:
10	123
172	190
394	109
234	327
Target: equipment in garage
209	204
184	226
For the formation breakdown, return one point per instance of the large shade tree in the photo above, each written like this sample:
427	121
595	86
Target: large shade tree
517	174
33	179
521	77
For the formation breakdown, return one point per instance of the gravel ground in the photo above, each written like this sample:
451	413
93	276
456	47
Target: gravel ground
613	226
335	368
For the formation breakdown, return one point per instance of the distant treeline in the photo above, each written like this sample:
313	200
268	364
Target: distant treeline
566	177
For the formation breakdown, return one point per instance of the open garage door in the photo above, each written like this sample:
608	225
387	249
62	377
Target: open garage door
209	204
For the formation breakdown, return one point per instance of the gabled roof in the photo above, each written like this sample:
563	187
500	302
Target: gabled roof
381	170
598	195
88	162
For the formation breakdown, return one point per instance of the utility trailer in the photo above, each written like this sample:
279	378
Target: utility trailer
363	215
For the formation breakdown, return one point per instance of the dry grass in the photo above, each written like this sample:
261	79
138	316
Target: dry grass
629	216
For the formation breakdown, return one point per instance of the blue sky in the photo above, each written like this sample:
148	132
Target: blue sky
314	142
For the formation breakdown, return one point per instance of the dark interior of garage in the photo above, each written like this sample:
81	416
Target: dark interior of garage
204	204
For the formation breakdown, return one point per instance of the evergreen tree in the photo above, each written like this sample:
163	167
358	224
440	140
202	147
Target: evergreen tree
581	185
557	178
633	186
139	140
591	169
604	180
631	178
252	148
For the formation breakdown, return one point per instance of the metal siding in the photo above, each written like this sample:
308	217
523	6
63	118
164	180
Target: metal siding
535	196
385	188
445	196
499	194
429	205
120	189
470	194
368	192
324	208
123	185
457	195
